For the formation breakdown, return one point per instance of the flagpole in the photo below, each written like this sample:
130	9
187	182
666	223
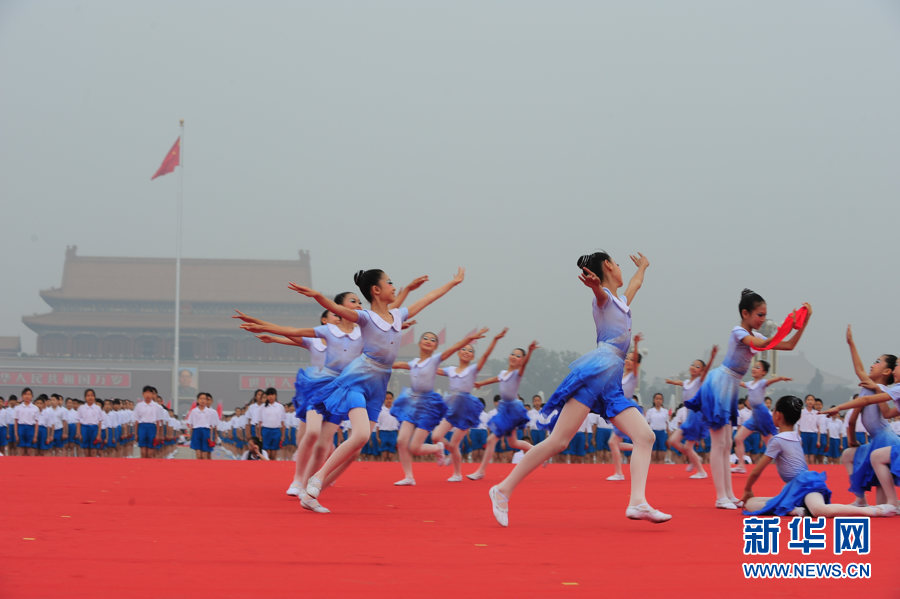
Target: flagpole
178	227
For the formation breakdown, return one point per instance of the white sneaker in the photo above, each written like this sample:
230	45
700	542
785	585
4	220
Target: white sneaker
884	510
616	477
737	502
699	474
500	506
725	504
645	512
293	490
314	487
312	504
455	478
738	470
475	476
405	482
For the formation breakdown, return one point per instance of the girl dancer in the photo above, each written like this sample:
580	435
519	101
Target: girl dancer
761	421
595	384
864	474
717	398
511	413
343	343
618	441
693	428
804	490
358	392
463	409
420	408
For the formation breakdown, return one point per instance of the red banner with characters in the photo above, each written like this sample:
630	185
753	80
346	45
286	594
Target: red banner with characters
60	378
251	382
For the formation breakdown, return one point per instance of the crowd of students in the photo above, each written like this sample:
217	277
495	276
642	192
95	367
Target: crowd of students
66	426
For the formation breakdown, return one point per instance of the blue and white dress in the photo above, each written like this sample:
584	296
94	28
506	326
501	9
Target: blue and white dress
717	399
786	451
341	349
595	379
316	359
693	428
880	435
419	403
511	413
761	421
363	383
463	408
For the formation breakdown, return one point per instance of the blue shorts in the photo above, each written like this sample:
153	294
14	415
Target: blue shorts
751	443
834	448
537	435
809	443
44	440
73	430
659	443
200	440
27	436
477	438
88	434
146	434
576	446
3	436
388	441
601	438
271	438
57	438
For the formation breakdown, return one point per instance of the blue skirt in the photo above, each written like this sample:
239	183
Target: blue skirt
429	410
693	428
895	463
761	422
594	379
863	477
404	406
511	414
717	398
308	388
793	494
463	410
362	384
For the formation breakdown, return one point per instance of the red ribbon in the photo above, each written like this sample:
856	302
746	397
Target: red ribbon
795	320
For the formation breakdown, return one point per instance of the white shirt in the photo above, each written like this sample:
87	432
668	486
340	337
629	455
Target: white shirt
47	418
203	418
89	415
272	415
744	415
822	422
533	416
386	422
808	423
586	425
26	414
836	428
658	418
147	413
253	413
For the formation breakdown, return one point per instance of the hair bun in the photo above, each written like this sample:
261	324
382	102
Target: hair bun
358	277
747	292
584	260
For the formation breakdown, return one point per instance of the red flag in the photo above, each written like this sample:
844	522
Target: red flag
409	336
219	409
442	336
169	405
172	159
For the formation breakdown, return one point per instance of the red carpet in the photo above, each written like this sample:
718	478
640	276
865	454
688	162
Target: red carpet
182	528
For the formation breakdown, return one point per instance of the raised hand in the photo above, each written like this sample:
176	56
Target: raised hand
417	282
408	323
640	260
589	278
501	334
477	334
640	337
459	276
533	346
241	316
849	335
307	291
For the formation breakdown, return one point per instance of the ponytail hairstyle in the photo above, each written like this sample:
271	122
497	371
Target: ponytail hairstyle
890	361
749	301
366	279
594	262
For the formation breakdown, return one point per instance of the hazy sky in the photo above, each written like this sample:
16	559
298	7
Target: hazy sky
735	144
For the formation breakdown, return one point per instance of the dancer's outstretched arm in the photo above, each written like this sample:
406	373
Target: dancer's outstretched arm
434	295
462	343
